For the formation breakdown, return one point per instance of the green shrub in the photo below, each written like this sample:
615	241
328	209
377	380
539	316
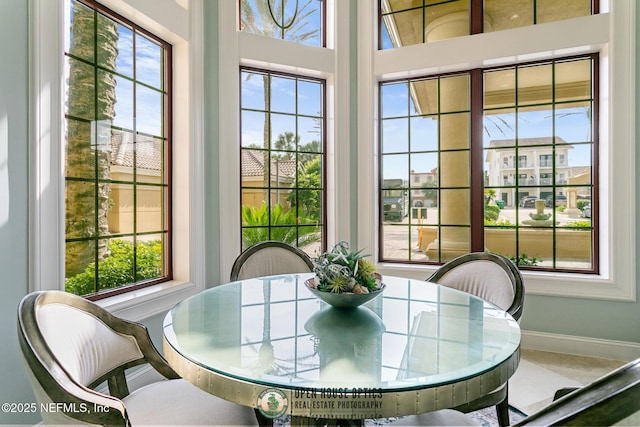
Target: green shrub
579	224
524	259
561	208
117	269
491	212
502	223
260	224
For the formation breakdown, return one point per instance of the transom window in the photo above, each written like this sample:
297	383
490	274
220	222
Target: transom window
282	159
118	149
405	23
460	133
293	20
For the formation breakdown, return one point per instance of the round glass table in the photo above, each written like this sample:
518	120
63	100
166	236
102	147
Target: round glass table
419	347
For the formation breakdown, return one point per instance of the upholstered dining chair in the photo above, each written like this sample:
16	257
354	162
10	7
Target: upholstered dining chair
613	399
71	347
495	279
269	258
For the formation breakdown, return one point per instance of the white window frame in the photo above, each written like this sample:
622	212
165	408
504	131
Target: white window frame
612	33
183	29
330	63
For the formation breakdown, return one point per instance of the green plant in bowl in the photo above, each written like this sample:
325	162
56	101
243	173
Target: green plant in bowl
344	278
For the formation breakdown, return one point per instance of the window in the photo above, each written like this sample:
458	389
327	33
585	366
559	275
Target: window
431	124
117	152
541	109
406	23
282	159
301	22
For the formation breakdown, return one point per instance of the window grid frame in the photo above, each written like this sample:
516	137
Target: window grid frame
165	90
322	223
476	156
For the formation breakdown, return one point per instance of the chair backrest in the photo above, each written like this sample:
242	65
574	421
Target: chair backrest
614	399
492	277
71	345
269	258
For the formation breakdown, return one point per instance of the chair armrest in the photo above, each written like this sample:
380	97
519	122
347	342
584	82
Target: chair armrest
563	392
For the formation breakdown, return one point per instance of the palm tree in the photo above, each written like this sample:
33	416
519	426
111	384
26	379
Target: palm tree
88	149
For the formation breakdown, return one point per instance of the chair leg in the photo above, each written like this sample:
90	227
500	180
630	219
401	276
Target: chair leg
502	410
262	420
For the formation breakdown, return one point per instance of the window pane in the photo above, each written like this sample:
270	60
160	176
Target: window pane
534	84
395	135
149	201
499	88
150	263
148	62
124	59
81	92
81	35
124	116
301	22
121	211
149	111
254	127
553	10
80	150
505	14
395	100
106	206
309	98
283	95
424	133
454	131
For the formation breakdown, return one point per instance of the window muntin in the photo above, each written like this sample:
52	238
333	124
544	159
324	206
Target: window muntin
405	23
282	127
536	140
117	154
293	20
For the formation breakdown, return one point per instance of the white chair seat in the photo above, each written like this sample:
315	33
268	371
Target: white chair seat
443	417
177	402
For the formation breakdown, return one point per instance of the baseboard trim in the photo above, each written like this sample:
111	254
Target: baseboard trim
581	346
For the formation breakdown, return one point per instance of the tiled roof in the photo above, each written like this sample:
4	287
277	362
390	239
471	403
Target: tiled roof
148	151
253	165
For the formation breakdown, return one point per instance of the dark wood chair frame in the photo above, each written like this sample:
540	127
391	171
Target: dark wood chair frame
59	385
249	252
604	402
499	397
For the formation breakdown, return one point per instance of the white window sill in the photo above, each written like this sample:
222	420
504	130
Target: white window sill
148	302
570	285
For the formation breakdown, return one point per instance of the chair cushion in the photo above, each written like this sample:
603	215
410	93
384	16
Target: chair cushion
443	417
84	345
484	279
269	261
177	402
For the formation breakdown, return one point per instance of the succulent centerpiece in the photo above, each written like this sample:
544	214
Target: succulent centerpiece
343	271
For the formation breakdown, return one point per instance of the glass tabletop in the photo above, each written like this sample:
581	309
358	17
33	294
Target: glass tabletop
272	331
